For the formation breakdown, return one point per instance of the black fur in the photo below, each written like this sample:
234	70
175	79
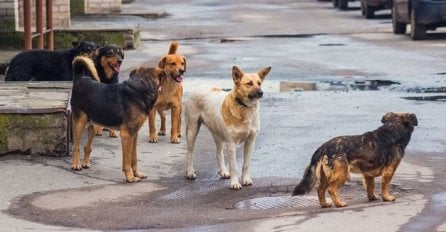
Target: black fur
45	65
369	151
110	104
108	50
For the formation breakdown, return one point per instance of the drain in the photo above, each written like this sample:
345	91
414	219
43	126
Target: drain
284	202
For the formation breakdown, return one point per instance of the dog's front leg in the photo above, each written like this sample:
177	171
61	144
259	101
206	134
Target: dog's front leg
387	176
248	148
224	174
127	141
134	158
233	166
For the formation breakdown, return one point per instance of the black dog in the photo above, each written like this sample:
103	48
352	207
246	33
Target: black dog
45	65
122	106
108	62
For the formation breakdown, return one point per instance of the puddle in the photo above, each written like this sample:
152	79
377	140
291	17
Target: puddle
427	98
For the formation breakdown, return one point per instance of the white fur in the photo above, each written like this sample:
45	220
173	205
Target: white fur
204	106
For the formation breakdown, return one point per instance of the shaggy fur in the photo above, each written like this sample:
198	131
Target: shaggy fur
373	154
45	65
122	106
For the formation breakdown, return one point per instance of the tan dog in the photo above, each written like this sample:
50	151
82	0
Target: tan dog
372	154
170	96
232	118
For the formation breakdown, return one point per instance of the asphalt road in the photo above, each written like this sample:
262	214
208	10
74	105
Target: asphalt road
302	41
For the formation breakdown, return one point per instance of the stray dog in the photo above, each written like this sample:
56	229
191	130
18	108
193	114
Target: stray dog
108	60
231	117
122	106
45	65
375	153
170	96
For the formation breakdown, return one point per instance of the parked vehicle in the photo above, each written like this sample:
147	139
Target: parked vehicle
422	15
341	4
368	7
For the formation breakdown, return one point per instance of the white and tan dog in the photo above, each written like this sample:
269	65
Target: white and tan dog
232	117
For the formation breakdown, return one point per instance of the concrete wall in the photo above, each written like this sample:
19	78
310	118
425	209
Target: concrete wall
8	15
61	13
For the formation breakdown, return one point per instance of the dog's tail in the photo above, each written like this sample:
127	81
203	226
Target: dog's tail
173	47
310	176
84	66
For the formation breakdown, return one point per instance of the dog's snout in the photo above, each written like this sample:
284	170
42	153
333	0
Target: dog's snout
119	61
260	93
182	71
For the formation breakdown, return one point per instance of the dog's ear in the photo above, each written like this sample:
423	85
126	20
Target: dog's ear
264	72
162	62
121	52
97	51
410	119
133	72
237	74
184	59
388	117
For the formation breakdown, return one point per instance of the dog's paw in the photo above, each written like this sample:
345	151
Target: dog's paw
86	165
139	174
162	133
175	140
133	179
112	134
246	181
388	198
325	205
373	197
224	174
153	139
341	204
191	175
236	186
76	167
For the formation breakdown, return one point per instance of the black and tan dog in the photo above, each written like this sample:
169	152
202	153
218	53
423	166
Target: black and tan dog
108	60
170	96
122	106
45	65
373	154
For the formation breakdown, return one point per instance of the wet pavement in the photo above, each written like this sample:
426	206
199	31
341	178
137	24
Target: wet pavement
44	194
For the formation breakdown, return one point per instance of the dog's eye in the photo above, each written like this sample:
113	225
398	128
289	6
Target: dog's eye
172	63
250	83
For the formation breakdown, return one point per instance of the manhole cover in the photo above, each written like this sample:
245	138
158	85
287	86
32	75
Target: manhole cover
277	203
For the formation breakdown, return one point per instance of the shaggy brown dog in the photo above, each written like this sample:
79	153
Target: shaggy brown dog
375	153
122	106
170	96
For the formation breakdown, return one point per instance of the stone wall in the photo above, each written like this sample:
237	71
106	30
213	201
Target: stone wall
8	13
102	6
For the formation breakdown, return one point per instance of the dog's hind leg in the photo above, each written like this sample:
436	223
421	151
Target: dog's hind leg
79	122
369	182
337	177
153	138
162	130
88	147
176	118
321	189
192	128
134	161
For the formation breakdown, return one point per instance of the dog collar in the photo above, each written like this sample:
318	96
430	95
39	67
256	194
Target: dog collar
240	102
